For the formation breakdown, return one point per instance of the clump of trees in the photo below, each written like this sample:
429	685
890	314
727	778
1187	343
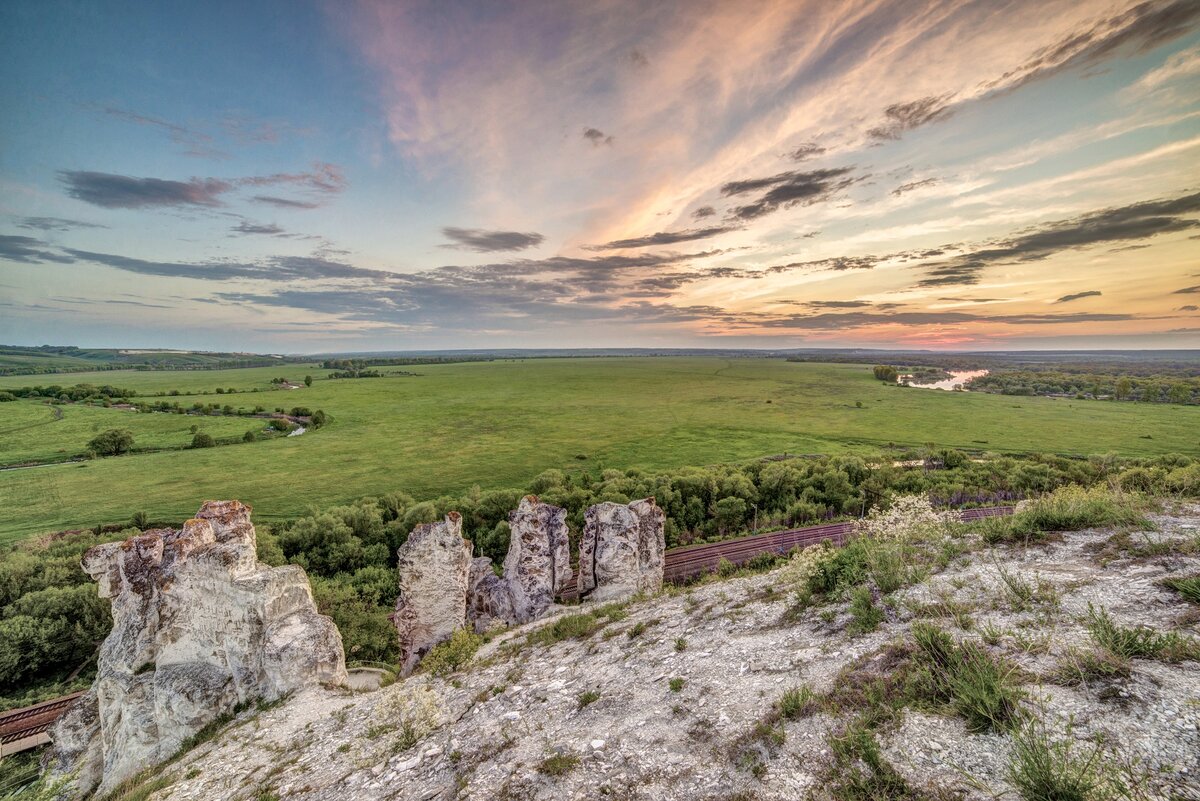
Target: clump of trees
113	442
77	393
1089	385
203	440
885	372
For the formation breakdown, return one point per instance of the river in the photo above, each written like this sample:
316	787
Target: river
957	378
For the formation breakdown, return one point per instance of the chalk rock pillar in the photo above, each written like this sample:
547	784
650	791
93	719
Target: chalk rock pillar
538	563
621	551
434	567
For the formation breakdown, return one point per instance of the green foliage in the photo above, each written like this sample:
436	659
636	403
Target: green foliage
1139	642
1045	768
567	627
978	686
860	771
1068	508
1188	587
113	442
676	684
865	616
587	697
203	440
558	764
797	702
453	654
885	373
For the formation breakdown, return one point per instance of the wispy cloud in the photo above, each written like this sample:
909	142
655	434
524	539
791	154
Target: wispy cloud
55	224
787	189
108	190
901	117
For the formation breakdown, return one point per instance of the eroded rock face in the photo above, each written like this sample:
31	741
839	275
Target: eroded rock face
621	551
489	598
199	626
538	562
434	566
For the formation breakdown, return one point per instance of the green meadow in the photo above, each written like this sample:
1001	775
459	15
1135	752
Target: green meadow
498	424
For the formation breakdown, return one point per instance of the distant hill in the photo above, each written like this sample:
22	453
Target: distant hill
42	359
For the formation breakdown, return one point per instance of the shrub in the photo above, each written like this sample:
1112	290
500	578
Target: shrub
1083	667
203	440
865	615
587	697
1073	508
250	436
977	685
1187	587
567	627
1184	480
726	568
6	397
558	764
797	702
449	656
1139	642
676	684
1042	768
112	442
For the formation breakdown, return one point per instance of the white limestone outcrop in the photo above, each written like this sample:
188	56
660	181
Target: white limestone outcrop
434	567
200	626
621	552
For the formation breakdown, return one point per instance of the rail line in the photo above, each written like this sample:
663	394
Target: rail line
27	727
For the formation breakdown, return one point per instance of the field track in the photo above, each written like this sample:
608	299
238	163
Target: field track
681	564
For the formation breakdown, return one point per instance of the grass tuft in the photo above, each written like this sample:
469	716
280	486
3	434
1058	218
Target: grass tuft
1139	642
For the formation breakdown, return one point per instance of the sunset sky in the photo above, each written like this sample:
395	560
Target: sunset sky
306	177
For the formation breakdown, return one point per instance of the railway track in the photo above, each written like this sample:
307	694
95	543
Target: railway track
20	728
690	561
681	564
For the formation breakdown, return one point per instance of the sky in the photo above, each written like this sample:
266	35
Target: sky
363	175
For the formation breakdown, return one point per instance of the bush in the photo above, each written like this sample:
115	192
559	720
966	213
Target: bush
6	397
250	436
1139	642
112	442
203	440
447	657
977	685
1042	768
567	627
1069	508
865	616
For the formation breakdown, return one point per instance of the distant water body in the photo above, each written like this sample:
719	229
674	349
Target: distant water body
956	379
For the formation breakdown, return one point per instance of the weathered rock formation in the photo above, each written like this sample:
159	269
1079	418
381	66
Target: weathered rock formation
538	562
621	551
434	566
199	626
442	588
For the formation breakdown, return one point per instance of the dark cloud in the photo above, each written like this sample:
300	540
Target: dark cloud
638	59
1135	31
910	186
837	304
279	268
55	224
806	151
702	212
1188	308
845	320
27	250
1092	293
285	203
901	117
597	137
788	189
666	238
126	192
837	264
1187	290
247	227
482	241
1122	224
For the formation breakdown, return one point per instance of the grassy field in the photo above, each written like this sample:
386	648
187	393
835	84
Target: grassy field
498	424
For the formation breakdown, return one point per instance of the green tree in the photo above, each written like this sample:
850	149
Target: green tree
112	442
1123	389
308	380
885	372
1180	393
203	440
